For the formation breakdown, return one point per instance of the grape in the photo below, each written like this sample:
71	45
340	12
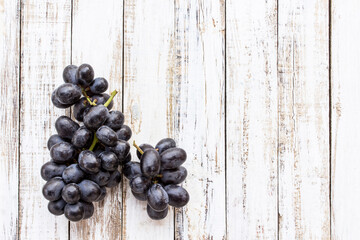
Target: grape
172	158
96	117
82	138
107	136
80	108
88	162
85	75
157	197
88	209
54	139
52	189
115	120
56	102
62	152
66	127
174	176
150	163
127	159
165	144
73	174
139	196
124	133
156	215
101	99
109	161
121	149
140	184
131	170
74	212
143	147
51	169
68	93
57	207
102	194
69	74
89	190
115	179
178	196
71	193
99	85
101	178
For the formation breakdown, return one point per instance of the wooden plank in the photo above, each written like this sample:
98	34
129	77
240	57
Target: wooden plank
198	106
45	50
148	43
303	65
9	116
97	40
345	116
251	126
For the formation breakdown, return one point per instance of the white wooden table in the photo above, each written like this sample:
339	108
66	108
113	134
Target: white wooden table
263	95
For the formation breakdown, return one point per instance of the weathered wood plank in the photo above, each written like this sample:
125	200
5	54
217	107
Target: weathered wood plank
45	49
345	128
198	106
303	66
9	116
251	126
97	40
148	42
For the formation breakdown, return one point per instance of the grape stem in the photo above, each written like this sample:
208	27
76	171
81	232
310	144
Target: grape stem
138	148
94	142
111	98
87	97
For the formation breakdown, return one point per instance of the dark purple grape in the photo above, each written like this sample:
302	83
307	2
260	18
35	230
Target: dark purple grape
96	117
150	163
99	85
71	193
88	162
172	158
115	120
143	147
140	184
127	159
174	176
131	170
57	207
178	196
106	136
88	209
52	189
101	99
139	196
68	93
69	74
165	144
157	197
102	194
74	212
80	109
101	178
62	152
73	174
66	127
57	103
109	161
115	179
51	169
90	191
121	149
85	75
154	215
54	139
82	138
124	133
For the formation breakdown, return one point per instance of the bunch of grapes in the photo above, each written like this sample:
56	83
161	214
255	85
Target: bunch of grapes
155	179
84	158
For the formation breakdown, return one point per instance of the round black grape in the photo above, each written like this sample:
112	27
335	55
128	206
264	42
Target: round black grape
139	196
88	162
154	215
52	189
140	184
73	174
172	158
96	117
82	138
57	207
178	196
101	178
68	93
127	159
88	209
157	197
66	127
121	149
115	179
62	152
150	163
165	144
90	191
106	136
71	193
85	75
51	169
55	100
109	161
131	170
99	85
74	212
102	194
173	176
80	109
143	147
115	120
69	74
54	139
124	133
101	99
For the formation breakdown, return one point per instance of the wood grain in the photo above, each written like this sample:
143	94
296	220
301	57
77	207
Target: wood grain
97	39
9	116
148	65
45	49
251	125
303	66
198	106
345	128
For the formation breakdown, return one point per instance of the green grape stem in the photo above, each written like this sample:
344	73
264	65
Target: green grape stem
94	142
138	148
87	97
111	98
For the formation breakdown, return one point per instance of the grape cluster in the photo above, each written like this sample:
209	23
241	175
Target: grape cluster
155	179
85	158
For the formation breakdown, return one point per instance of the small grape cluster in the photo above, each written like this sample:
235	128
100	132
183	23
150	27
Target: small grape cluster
84	159
155	179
